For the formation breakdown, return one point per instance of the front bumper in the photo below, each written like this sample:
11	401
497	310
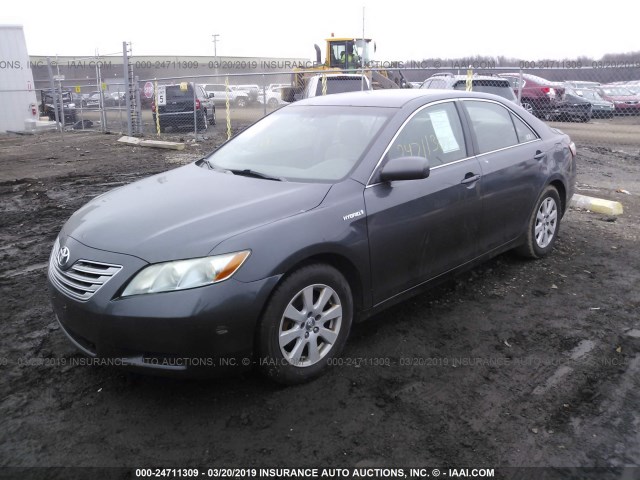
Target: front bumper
182	332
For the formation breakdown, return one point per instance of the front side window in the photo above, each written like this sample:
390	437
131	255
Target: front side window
492	125
434	133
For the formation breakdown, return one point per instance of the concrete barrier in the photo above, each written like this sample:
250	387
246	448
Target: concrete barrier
599	205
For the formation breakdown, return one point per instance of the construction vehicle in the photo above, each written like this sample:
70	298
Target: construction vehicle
342	55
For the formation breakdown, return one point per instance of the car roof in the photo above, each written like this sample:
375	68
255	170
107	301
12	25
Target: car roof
391	98
464	77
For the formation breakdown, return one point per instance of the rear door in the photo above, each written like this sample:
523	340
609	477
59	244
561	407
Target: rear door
511	157
419	229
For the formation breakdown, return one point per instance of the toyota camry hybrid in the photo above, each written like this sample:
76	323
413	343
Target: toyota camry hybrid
320	214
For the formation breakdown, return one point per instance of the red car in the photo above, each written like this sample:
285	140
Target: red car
625	102
539	95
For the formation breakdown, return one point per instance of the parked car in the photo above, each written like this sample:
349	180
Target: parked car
633	87
119	98
539	96
625	102
273	96
48	106
221	93
479	83
573	107
600	108
580	84
175	107
94	100
79	99
328	210
252	91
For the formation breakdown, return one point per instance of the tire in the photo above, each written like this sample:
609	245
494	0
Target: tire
273	103
202	123
242	102
305	324
543	225
213	116
526	104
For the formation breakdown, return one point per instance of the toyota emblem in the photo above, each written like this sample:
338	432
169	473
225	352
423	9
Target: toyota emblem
63	256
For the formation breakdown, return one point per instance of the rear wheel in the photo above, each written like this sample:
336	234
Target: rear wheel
273	103
543	226
528	106
305	325
203	122
242	102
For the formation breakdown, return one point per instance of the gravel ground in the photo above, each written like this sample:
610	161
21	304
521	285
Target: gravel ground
516	363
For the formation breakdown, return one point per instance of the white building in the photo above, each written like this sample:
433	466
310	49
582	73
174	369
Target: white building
18	102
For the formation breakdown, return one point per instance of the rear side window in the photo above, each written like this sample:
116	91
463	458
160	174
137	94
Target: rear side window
496	87
434	133
175	93
525	134
492	125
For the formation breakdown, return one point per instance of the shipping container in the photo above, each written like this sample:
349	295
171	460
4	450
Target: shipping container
18	104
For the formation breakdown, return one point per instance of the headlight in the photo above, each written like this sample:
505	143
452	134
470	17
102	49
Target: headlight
183	274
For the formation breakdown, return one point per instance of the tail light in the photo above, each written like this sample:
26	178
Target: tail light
153	107
197	104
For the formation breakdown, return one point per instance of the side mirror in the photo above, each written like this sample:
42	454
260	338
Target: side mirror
405	168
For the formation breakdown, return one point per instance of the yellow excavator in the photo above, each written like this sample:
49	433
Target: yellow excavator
343	55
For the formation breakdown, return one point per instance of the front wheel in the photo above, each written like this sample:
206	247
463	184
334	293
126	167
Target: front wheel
305	325
543	225
242	102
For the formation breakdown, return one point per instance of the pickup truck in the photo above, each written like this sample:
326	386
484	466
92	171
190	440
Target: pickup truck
220	93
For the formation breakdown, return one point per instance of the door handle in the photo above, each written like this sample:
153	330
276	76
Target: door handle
539	155
470	178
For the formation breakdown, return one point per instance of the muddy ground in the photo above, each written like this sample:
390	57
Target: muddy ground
516	363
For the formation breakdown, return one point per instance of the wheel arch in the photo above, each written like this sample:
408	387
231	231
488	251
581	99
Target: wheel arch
341	263
562	193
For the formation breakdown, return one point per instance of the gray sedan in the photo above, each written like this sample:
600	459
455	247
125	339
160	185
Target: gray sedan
324	212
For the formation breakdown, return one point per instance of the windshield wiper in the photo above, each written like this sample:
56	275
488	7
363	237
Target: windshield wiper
252	173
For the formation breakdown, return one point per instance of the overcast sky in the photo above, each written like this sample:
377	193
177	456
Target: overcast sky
402	29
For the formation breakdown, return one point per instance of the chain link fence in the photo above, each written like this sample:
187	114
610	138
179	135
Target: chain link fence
604	95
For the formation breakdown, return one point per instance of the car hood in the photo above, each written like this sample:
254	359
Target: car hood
186	212
622	98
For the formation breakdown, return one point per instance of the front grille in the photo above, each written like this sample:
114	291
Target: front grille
83	278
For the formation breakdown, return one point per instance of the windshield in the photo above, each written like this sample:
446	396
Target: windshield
589	94
304	143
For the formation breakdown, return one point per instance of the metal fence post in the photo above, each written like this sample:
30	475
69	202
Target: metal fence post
127	88
195	113
138	124
264	96
54	96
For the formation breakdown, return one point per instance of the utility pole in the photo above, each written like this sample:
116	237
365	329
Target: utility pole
215	45
215	52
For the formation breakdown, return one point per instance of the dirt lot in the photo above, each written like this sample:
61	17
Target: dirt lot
516	363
